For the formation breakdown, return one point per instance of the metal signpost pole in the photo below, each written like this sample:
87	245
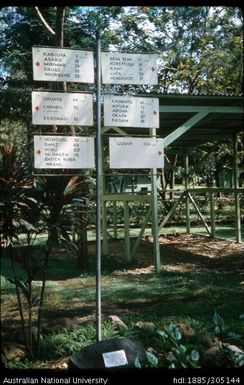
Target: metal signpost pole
98	190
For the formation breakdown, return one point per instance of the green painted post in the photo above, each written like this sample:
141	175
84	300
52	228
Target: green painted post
212	214
236	194
154	205
187	196
137	242
115	219
171	211
127	230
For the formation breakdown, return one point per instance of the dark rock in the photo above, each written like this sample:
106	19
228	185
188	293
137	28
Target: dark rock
92	355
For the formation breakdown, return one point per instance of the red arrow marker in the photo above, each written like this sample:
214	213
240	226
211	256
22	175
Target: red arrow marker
38	152
159	153
154	112
37	108
153	69
37	63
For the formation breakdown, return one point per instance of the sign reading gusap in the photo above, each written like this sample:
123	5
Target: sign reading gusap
62	108
130	68
62	64
136	152
63	152
131	111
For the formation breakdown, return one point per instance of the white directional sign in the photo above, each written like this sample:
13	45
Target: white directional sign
115	358
63	152
129	68
62	64
131	111
62	108
136	152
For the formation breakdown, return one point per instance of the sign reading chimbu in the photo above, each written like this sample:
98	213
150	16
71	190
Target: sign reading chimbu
61	108
62	64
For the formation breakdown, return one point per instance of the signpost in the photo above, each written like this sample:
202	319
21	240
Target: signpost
63	152
136	153
75	108
129	68
61	108
131	111
62	64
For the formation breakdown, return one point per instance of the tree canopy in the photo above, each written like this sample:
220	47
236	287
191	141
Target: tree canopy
199	50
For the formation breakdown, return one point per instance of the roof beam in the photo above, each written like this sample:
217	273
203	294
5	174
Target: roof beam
184	127
224	109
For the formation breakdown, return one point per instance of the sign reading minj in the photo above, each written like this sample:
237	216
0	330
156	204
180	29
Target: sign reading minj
136	152
129	68
131	111
62	64
53	151
61	108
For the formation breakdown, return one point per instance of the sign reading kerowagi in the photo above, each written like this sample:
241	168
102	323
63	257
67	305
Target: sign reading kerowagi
63	152
136	152
129	68
62	64
62	108
131	111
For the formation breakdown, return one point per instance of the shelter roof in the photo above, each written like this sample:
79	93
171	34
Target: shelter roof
188	120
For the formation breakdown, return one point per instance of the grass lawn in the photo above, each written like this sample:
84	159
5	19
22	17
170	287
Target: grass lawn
189	290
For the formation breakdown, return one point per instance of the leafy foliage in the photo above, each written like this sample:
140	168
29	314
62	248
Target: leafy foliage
18	208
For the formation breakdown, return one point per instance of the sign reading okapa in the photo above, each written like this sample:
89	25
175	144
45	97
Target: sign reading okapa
63	152
131	111
62	64
136	152
61	108
129	68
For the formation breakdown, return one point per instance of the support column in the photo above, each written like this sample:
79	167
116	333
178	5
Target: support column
98	193
115	220
104	209
127	230
154	205
212	213
187	196
236	194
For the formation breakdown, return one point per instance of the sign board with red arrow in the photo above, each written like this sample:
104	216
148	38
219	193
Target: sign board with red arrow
61	108
62	64
131	111
133	153
58	152
129	68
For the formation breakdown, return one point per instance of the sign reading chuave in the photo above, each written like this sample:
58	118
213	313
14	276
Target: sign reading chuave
72	108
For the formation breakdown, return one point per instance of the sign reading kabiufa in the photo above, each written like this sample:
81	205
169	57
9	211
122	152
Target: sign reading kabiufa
61	108
62	64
